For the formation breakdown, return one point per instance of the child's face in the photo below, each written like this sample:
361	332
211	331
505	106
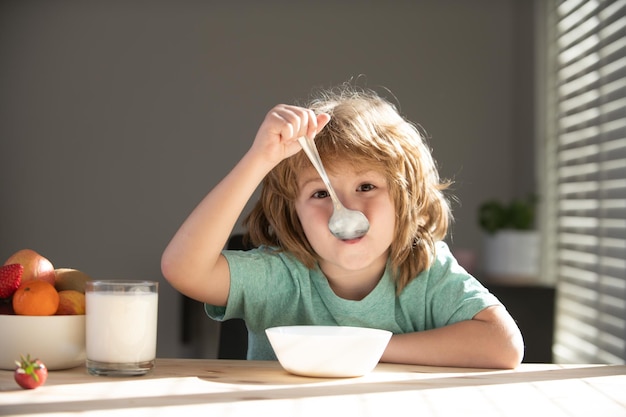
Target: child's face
366	191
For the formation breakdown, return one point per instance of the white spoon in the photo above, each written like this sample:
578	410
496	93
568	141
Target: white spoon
344	224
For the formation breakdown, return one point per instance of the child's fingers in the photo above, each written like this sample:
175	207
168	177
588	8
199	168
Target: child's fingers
296	122
322	120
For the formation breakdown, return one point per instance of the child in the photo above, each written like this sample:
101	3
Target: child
400	276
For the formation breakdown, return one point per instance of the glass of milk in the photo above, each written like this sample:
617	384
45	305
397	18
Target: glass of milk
121	327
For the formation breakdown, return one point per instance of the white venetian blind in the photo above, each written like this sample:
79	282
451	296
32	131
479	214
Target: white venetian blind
586	177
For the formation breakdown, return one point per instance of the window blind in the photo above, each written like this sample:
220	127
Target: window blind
585	173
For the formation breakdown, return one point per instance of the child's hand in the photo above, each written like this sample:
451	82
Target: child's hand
278	135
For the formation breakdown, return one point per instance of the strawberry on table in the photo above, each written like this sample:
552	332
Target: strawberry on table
10	279
30	373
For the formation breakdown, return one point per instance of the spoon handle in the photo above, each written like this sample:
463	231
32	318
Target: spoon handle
311	151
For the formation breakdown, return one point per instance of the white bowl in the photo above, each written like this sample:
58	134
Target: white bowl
58	341
328	351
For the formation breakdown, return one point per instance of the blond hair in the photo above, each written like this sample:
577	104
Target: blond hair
364	130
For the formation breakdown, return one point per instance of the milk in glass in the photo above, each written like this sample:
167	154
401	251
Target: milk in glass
121	320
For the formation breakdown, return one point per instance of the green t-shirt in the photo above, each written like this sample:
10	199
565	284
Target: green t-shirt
270	289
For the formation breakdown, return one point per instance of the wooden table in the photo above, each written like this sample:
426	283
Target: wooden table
180	387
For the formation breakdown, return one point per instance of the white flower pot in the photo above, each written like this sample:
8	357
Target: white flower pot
512	254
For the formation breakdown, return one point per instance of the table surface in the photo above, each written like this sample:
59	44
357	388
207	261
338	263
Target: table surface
246	388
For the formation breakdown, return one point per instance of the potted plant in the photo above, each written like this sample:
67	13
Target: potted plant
511	245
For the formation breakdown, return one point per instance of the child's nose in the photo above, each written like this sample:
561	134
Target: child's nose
349	200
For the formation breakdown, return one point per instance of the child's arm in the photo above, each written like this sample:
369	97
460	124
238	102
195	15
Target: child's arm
490	340
192	261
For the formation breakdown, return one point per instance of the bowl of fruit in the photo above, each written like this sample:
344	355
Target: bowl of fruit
42	312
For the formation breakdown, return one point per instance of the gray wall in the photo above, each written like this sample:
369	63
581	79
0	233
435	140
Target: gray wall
117	117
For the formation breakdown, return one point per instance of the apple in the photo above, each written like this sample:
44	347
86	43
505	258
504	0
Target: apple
71	302
70	279
35	265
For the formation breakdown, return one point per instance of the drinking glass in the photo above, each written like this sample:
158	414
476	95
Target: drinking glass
121	327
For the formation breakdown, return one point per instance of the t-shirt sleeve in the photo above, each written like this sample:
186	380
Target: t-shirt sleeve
254	276
238	268
454	294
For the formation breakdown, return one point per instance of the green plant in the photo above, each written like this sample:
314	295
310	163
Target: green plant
519	214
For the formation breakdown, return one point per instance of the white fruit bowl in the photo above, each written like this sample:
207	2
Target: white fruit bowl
328	351
59	341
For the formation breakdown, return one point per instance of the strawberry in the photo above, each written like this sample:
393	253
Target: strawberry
10	279
30	373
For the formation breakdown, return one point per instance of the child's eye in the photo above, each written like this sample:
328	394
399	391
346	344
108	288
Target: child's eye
321	194
366	187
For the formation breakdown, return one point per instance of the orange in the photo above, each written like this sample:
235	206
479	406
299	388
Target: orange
36	298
